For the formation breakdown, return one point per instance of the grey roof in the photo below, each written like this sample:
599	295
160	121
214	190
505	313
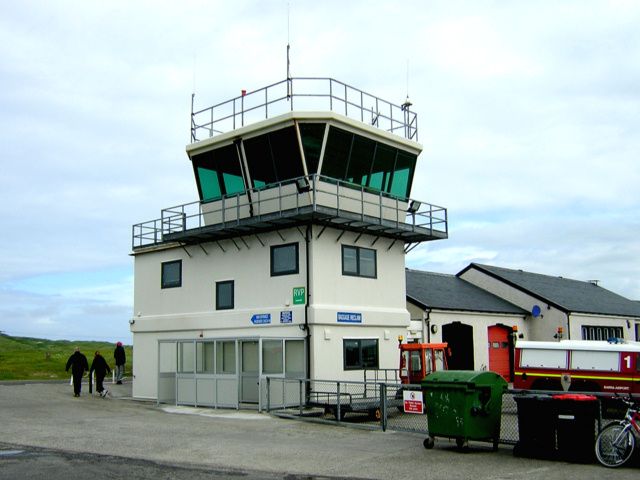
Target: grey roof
448	292
563	293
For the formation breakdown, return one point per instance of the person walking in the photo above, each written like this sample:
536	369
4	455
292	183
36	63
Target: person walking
120	358
99	365
78	364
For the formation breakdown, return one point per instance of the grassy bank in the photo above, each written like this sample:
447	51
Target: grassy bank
23	358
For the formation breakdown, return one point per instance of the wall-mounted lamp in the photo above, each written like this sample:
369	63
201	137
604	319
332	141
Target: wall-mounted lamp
132	321
414	206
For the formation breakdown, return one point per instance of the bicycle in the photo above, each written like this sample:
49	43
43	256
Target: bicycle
617	441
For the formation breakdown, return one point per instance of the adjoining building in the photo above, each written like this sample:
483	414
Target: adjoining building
291	261
477	325
483	309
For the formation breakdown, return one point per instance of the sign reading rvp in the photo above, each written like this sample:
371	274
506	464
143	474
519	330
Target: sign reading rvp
349	317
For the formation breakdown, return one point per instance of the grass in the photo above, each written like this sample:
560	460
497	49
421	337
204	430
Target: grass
23	358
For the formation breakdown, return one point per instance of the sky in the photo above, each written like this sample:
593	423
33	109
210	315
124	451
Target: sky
528	113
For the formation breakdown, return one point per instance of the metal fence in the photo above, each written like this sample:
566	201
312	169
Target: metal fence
380	405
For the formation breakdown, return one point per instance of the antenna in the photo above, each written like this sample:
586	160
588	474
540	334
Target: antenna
289	83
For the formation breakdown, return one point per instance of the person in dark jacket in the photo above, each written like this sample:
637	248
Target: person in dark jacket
78	364
120	358
99	365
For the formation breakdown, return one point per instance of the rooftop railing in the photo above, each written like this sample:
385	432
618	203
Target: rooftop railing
303	94
306	199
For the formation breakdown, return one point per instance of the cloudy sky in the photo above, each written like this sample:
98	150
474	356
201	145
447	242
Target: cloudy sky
528	114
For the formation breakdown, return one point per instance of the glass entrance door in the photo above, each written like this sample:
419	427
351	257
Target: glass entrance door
249	371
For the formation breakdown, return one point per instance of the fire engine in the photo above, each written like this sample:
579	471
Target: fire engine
578	365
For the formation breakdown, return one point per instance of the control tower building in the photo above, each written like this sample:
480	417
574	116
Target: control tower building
291	262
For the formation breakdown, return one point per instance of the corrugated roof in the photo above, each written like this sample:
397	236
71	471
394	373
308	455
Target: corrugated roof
564	293
448	292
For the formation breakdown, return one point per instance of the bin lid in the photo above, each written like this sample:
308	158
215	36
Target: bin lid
580	397
463	377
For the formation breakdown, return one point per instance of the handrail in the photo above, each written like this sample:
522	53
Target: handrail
303	94
317	192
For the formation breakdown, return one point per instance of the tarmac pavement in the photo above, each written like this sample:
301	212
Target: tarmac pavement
234	443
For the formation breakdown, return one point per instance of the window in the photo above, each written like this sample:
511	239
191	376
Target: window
172	274
186	352
225	357
590	332
224	295
284	259
218	173
312	135
360	353
272	357
273	157
359	262
368	163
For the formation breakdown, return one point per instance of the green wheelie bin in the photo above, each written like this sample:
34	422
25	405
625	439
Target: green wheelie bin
464	405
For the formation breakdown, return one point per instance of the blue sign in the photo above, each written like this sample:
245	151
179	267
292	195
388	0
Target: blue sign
536	311
286	316
348	317
261	318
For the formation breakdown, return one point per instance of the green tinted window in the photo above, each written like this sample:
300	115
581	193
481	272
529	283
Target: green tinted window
208	180
312	135
403	174
336	154
273	157
218	173
368	163
383	167
360	161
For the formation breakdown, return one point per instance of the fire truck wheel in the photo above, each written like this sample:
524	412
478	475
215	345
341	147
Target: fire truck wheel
428	443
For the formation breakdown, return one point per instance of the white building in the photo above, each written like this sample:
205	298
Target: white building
482	311
291	262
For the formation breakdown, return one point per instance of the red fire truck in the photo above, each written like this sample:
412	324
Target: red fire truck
578	365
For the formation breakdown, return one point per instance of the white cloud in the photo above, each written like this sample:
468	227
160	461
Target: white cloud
527	112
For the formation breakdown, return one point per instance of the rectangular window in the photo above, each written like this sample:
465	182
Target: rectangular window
359	262
224	295
172	274
284	259
272	357
186	352
360	353
225	357
205	357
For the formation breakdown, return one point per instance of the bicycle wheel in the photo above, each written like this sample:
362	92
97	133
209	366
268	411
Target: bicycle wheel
615	444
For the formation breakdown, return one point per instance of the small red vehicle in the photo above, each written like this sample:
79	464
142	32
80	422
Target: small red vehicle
419	359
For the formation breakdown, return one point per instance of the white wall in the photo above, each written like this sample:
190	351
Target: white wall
578	320
188	312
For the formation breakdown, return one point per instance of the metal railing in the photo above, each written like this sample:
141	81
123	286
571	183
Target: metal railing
379	405
303	94
312	193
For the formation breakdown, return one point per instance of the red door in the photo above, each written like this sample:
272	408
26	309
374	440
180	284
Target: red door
499	350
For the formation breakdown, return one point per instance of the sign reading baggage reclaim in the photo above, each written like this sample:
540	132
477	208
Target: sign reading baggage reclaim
412	401
349	317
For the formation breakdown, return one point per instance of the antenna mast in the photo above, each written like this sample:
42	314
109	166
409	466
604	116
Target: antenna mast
289	82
